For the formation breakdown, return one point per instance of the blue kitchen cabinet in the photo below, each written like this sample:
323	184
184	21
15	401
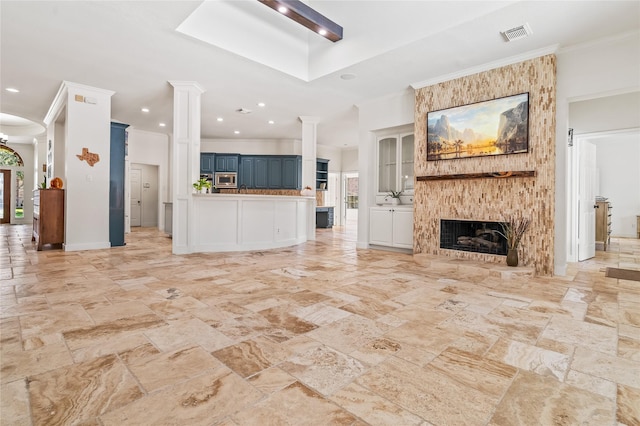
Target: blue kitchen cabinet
117	153
275	172
322	174
246	172
261	172
324	217
207	164
292	172
270	171
227	162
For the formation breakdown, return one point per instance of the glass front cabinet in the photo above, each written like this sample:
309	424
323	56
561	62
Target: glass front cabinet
395	164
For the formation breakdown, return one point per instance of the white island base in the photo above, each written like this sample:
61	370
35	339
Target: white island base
239	222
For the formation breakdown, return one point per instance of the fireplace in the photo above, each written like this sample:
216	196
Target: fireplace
474	236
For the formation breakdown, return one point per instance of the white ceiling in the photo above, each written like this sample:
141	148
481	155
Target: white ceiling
243	52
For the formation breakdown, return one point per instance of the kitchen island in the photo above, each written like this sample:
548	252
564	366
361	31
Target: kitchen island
239	222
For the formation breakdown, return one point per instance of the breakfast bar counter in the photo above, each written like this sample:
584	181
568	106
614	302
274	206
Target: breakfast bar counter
238	222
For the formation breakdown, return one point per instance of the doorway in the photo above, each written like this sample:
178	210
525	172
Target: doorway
616	179
350	191
143	210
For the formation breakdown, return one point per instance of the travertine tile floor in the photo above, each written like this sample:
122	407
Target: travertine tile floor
316	334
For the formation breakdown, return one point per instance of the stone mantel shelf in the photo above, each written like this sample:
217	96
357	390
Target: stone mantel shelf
499	175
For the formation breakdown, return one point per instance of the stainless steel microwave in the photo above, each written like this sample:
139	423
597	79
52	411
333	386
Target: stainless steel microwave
226	180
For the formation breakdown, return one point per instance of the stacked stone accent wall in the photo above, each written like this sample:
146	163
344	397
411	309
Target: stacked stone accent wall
492	199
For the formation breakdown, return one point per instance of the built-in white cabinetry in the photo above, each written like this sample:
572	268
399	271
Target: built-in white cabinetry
391	226
395	163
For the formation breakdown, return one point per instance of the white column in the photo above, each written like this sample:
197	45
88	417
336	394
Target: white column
186	161
309	143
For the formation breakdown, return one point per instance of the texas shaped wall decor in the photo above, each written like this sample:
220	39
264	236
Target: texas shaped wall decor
90	157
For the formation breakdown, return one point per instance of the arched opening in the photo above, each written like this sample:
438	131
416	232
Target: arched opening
11	175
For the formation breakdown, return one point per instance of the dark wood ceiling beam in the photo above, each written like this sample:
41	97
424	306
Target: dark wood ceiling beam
307	17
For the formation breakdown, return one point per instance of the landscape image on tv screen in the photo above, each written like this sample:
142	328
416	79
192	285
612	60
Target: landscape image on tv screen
495	127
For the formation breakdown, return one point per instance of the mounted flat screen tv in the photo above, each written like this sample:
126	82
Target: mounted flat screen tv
495	127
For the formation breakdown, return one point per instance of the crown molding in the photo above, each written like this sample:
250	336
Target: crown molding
488	66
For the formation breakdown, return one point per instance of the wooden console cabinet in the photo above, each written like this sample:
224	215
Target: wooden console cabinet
603	224
48	217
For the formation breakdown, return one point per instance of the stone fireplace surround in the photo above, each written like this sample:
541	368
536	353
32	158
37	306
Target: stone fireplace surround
531	196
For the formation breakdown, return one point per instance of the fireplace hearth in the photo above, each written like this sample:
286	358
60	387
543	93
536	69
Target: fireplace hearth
473	236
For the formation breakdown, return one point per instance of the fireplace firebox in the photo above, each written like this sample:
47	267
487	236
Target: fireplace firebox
474	236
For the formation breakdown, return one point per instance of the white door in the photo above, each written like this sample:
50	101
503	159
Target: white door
587	201
136	197
149	196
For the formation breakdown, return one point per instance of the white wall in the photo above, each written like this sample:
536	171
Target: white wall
618	163
252	146
390	111
605	114
350	159
40	159
151	149
333	154
605	68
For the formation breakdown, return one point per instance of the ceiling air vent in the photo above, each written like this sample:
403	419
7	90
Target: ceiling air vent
517	33
243	111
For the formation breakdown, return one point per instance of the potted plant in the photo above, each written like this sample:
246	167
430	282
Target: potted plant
201	185
512	231
395	197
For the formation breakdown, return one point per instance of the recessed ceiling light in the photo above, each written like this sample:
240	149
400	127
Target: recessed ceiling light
283	9
12	90
322	32
261	104
220	119
237	132
271	122
161	124
145	110
348	76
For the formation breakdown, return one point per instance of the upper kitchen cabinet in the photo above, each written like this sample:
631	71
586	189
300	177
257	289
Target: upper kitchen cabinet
275	172
270	171
395	163
292	172
246	172
261	172
227	162
207	164
322	174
